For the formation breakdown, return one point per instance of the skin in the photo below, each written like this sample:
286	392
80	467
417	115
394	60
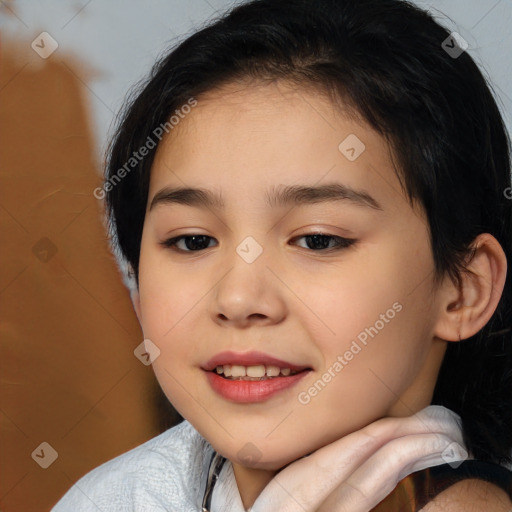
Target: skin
479	494
299	304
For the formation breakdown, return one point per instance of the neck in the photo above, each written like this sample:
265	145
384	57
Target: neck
251	482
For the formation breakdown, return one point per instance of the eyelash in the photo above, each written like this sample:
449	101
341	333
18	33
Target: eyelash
342	243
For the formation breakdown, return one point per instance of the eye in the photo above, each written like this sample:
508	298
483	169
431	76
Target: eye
316	242
320	241
192	243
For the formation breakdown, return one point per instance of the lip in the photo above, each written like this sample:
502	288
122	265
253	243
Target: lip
246	391
252	358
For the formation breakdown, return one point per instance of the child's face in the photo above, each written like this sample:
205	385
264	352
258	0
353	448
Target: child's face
295	301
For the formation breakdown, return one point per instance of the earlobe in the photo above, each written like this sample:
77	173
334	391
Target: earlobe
466	308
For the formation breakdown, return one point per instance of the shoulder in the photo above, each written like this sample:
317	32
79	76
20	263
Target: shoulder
471	495
151	475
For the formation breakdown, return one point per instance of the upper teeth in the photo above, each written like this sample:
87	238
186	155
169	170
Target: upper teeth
260	370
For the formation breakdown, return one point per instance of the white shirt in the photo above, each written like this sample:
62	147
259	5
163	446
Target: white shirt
167	473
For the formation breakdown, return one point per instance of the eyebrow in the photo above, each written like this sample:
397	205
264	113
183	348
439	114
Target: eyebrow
280	196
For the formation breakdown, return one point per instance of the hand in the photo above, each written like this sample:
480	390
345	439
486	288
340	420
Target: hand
355	473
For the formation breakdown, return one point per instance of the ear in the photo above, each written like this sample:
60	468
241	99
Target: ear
465	309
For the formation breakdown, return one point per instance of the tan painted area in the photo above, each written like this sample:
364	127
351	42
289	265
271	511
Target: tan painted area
68	374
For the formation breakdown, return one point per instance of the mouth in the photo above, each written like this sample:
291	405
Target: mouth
255	372
251	366
247	378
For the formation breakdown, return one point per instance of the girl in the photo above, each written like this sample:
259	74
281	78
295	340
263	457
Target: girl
312	201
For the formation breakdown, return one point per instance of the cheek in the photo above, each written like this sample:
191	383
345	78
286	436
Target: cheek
353	299
168	316
381	324
170	303
168	294
365	373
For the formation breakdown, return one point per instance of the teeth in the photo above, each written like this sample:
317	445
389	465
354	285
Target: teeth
255	372
237	371
273	371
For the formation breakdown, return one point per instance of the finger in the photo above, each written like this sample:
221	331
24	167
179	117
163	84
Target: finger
369	484
307	482
431	419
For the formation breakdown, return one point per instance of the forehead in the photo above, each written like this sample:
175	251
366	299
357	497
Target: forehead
250	139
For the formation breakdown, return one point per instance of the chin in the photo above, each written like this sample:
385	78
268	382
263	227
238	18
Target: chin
263	463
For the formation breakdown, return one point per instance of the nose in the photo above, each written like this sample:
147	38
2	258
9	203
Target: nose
248	294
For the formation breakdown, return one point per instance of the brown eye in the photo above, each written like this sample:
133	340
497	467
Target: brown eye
321	242
192	243
317	242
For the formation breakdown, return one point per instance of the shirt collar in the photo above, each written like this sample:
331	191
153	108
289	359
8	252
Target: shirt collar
218	489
